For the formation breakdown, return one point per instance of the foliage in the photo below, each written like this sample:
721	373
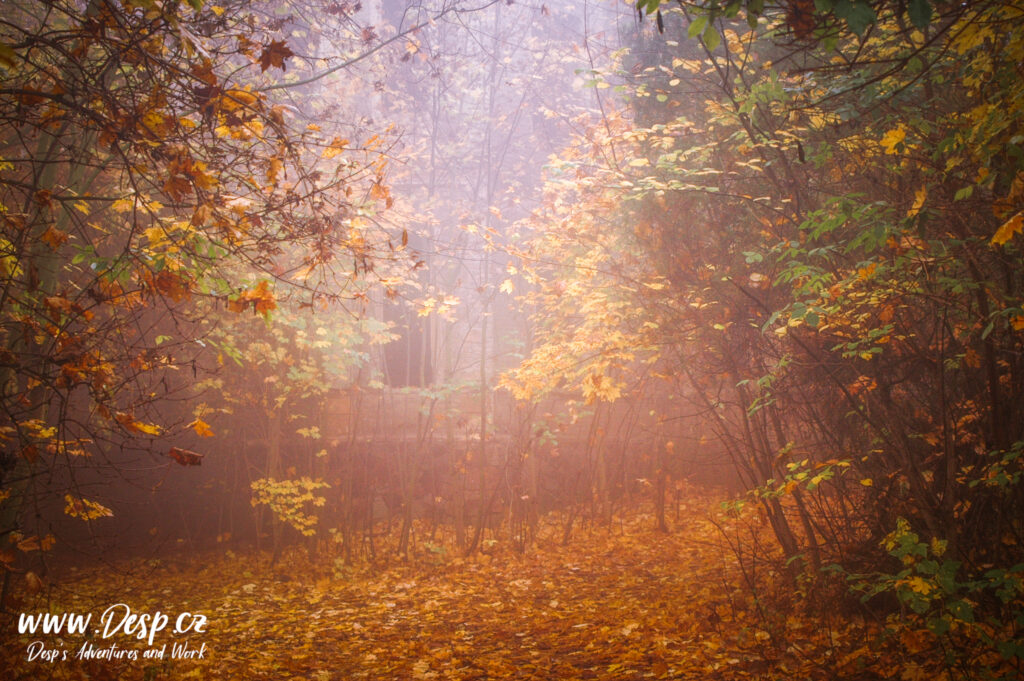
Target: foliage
817	251
617	602
290	500
155	188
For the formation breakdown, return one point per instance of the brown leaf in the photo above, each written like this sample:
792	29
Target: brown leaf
57	305
274	54
33	584
172	285
53	237
185	457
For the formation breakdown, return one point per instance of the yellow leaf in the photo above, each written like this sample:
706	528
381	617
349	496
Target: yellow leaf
156	235
867	482
336	147
919	585
202	428
507	286
77	507
895	136
919	196
148	428
123	205
1009	228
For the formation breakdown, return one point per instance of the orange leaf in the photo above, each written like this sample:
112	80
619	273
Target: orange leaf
202	428
172	285
260	298
54	237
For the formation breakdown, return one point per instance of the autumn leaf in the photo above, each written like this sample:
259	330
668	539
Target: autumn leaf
202	428
1008	229
893	138
33	584
77	507
259	298
274	54
335	148
130	424
379	191
7	56
185	457
58	305
172	285
53	237
919	198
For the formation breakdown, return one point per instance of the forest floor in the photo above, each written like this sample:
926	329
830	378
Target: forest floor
619	602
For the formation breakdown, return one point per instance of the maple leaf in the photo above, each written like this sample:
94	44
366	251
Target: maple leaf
274	54
261	298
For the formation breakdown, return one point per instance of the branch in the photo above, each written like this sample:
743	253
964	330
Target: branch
364	55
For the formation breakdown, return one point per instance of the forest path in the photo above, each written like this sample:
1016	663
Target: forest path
620	602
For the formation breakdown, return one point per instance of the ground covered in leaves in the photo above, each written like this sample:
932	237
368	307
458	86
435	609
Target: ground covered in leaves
618	602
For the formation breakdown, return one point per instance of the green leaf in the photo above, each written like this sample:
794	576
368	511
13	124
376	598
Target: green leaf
697	26
711	38
920	13
648	7
860	17
196	4
841	8
962	610
938	626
